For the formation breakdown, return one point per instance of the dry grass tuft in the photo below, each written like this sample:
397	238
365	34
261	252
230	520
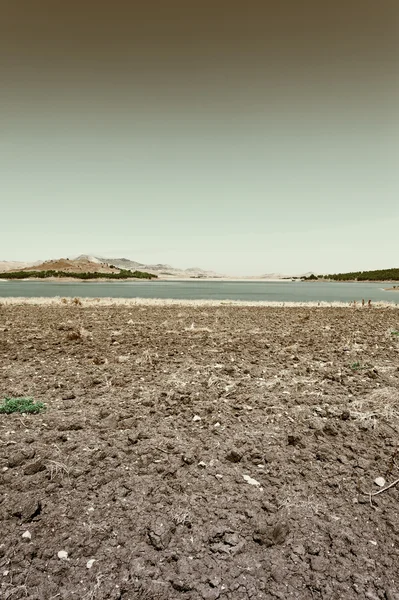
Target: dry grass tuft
57	469
380	404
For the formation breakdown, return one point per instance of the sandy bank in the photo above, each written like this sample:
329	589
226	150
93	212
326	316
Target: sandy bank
55	301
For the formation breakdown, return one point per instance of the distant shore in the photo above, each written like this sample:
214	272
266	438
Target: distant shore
321	279
200	279
158	278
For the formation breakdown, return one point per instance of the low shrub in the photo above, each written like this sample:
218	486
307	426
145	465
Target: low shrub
21	405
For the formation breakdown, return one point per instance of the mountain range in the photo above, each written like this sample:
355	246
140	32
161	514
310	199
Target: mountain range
89	264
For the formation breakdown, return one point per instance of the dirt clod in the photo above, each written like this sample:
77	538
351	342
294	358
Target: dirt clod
234	455
270	536
160	534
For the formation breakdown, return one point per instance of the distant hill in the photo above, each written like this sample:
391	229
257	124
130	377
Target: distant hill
80	268
12	265
157	269
71	266
86	263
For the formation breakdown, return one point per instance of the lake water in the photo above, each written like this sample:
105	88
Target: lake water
284	291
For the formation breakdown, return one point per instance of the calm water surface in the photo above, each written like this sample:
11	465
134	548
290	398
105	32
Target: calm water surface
284	291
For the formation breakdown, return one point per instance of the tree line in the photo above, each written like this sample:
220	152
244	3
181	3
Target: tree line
123	274
378	275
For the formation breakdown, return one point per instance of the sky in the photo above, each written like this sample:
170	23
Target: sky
243	137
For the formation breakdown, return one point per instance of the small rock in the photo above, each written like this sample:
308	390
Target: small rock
278	575
160	534
16	459
188	458
196	418
330	429
123	359
231	538
110	422
317	563
251	481
202	464
62	555
209	593
27	509
69	396
27	535
380	481
299	549
90	563
181	585
371	596
34	468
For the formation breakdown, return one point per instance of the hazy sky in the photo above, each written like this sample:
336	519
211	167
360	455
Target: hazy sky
243	137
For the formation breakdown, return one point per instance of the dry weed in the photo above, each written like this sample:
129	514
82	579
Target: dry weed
147	358
56	469
381	404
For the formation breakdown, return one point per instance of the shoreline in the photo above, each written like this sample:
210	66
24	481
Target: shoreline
67	302
158	278
191	279
194	280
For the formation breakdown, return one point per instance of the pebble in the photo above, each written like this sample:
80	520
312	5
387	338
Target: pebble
196	418
62	555
90	563
202	464
27	535
251	481
380	481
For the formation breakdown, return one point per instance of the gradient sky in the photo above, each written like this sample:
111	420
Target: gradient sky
243	137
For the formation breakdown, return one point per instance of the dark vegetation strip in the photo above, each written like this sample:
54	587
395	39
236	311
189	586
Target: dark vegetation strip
380	275
123	274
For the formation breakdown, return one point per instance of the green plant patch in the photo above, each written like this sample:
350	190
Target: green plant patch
395	332
20	405
357	366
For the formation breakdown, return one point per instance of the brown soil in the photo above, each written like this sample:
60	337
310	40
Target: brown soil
155	415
